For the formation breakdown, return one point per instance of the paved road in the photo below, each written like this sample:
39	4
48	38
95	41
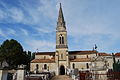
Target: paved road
61	77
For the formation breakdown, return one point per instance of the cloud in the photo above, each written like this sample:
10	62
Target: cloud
11	14
7	32
48	9
10	31
36	14
16	14
1	14
2	33
24	31
88	23
40	45
45	30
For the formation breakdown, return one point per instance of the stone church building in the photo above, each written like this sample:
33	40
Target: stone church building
62	58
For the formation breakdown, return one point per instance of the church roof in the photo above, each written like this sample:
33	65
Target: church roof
81	60
43	60
82	52
117	54
45	53
70	52
104	54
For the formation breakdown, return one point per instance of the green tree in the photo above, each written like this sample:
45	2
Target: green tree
12	52
33	56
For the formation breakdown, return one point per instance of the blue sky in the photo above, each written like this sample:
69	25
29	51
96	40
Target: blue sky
89	22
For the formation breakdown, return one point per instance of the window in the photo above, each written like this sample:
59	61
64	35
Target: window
87	65
61	56
44	57
73	65
87	56
37	66
74	57
45	66
62	40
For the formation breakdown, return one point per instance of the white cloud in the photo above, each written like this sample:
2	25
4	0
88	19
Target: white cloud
85	22
40	45
35	14
2	15
48	8
10	31
90	25
11	14
45	29
25	32
2	33
5	33
16	14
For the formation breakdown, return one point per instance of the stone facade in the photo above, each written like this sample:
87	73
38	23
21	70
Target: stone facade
62	58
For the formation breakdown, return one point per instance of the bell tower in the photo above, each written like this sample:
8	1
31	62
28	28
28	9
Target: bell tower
61	33
62	56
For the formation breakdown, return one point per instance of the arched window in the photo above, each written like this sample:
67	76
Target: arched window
37	66
87	65
44	57
45	66
62	40
73	65
74	57
87	56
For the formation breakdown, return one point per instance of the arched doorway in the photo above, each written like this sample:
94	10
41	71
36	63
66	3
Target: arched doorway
62	70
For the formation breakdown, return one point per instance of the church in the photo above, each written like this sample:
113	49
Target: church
62	58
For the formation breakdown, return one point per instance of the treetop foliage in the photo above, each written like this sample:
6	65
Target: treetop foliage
12	52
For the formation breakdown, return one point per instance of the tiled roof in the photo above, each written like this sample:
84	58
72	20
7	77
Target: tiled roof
45	53
43	61
81	60
70	52
104	54
82	52
117	54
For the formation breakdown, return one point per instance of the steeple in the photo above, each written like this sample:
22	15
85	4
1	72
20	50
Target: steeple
61	32
61	56
61	22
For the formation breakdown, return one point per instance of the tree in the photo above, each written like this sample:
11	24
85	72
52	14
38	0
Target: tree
33	56
12	52
116	67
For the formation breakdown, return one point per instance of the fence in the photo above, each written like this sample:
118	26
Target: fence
106	76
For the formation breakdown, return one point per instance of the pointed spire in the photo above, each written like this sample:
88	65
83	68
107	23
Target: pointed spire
60	17
61	22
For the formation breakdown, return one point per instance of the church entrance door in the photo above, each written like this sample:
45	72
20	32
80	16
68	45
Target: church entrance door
62	70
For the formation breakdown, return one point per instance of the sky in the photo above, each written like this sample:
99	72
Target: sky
33	24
